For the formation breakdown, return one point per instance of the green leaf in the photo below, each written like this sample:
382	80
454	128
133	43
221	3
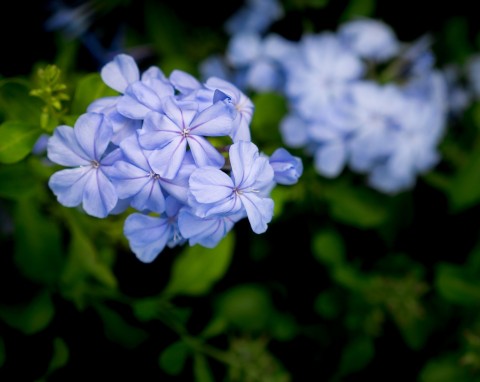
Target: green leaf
464	188
38	250
88	89
16	103
327	304
456	286
173	358
16	140
197	268
356	355
30	318
445	369
60	355
17	181
270	108
201	369
359	207
359	8
246	307
118	330
328	248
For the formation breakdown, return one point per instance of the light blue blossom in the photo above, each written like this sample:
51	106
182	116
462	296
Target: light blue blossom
168	135
84	148
287	168
215	193
370	39
254	16
134	179
148	235
206	231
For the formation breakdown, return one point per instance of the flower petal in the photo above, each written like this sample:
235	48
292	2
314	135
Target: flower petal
99	196
63	148
167	161
120	72
68	185
204	153
210	185
259	211
93	132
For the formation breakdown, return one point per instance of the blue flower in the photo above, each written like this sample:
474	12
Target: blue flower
215	193
207	231
370	39
84	148
254	16
168	135
148	235
287	168
134	179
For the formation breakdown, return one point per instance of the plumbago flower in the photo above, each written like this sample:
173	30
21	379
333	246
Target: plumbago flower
150	148
357	97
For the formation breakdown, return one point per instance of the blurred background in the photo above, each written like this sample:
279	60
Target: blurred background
349	283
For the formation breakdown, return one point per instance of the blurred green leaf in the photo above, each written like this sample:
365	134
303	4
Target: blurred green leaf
118	330
282	326
16	103
88	89
327	304
60	355
356	355
32	317
269	110
356	206
197	268
328	247
201	369
246	307
444	369
359	8
16	140
456	286
147	309
464	188
172	359
38	250
17	181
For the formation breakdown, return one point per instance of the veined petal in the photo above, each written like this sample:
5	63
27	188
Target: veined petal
184	82
99	196
120	72
128	179
63	148
225	207
93	132
167	160
259	211
147	235
68	185
134	153
150	197
215	120
204	153
129	107
181	113
210	185
145	95
242	158
178	186
102	104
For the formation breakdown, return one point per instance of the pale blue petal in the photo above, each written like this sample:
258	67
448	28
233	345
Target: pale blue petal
150	198
93	132
204	153
128	179
147	235
259	211
178	186
184	82
294	131
181	113
210	185
286	167
134	153
227	206
99	196
131	108
101	104
153	72
120	72
167	161
330	159
68	185
215	120
242	158
63	148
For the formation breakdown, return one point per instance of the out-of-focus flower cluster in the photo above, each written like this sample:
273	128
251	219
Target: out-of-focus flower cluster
357	97
176	150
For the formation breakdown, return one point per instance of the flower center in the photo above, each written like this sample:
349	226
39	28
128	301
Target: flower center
95	164
185	132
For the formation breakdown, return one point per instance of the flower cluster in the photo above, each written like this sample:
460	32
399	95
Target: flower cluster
176	150
358	97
